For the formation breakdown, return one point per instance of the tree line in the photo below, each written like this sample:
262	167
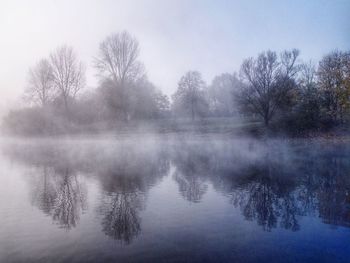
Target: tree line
277	88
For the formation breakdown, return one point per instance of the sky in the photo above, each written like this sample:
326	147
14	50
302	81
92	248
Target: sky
175	36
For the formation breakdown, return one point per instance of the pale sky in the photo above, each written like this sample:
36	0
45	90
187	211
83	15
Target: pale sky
175	35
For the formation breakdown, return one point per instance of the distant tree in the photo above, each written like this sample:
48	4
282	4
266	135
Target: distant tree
40	83
162	104
88	108
309	92
267	82
119	66
189	97
113	105
307	111
147	101
334	81
221	94
307	78
68	74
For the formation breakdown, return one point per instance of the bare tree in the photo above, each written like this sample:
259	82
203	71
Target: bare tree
190	94
118	62
68	73
268	80
334	80
39	89
307	77
221	94
307	108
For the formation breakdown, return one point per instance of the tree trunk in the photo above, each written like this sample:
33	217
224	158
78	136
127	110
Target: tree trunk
124	103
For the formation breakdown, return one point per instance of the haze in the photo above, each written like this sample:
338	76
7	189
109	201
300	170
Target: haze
175	36
175	131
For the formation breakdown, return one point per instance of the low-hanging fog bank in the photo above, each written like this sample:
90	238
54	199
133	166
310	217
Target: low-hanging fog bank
272	182
278	90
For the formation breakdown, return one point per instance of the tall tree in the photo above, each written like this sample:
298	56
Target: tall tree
221	94
307	109
40	83
189	97
68	73
307	78
267	82
334	80
118	63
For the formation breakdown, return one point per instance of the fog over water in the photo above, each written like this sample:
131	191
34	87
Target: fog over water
167	197
174	131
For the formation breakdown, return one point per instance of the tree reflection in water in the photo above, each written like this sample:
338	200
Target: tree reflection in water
190	172
126	181
121	220
191	187
279	191
70	201
44	193
59	194
334	191
273	184
265	201
274	188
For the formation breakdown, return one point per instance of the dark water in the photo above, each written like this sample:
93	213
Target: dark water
174	200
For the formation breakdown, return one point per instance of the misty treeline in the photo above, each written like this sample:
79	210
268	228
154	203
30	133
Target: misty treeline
277	88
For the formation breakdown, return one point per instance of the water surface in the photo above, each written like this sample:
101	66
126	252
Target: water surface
198	199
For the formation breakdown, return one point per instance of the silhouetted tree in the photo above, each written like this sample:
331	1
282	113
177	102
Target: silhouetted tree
334	80
306	113
268	81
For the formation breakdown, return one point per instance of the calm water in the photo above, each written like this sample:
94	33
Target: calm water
173	200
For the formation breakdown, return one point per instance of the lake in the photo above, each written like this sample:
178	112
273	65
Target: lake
174	199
